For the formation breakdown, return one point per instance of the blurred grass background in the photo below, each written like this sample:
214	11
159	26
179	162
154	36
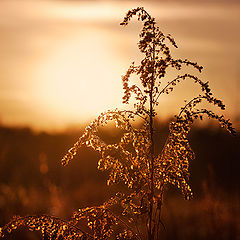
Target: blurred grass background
32	181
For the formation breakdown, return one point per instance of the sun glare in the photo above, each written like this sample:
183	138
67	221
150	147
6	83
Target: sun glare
64	59
78	78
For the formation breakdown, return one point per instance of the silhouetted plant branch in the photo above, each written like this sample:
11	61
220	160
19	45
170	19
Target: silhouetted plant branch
133	161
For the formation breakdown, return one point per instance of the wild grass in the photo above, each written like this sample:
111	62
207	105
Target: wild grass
213	213
140	172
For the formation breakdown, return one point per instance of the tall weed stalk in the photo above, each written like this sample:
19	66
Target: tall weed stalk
133	161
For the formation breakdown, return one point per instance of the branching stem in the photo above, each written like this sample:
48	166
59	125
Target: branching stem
151	116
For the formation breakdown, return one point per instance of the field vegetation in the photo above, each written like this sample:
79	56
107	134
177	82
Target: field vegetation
145	163
33	181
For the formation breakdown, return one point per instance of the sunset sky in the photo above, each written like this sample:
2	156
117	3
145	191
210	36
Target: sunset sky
61	61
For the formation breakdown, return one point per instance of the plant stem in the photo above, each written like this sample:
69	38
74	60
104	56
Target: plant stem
151	116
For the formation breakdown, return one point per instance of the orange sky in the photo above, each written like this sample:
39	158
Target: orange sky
62	61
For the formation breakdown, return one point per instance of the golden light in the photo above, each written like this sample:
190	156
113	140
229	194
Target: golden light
64	59
80	77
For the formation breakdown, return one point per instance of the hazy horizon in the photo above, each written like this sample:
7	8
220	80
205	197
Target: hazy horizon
62	61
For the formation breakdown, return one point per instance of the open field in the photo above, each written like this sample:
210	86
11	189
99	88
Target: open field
32	181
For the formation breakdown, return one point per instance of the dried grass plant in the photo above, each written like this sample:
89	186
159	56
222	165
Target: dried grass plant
136	214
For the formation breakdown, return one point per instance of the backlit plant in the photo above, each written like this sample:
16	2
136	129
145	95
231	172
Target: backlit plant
134	161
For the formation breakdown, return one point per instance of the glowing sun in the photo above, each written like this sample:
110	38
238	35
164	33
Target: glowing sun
80	77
